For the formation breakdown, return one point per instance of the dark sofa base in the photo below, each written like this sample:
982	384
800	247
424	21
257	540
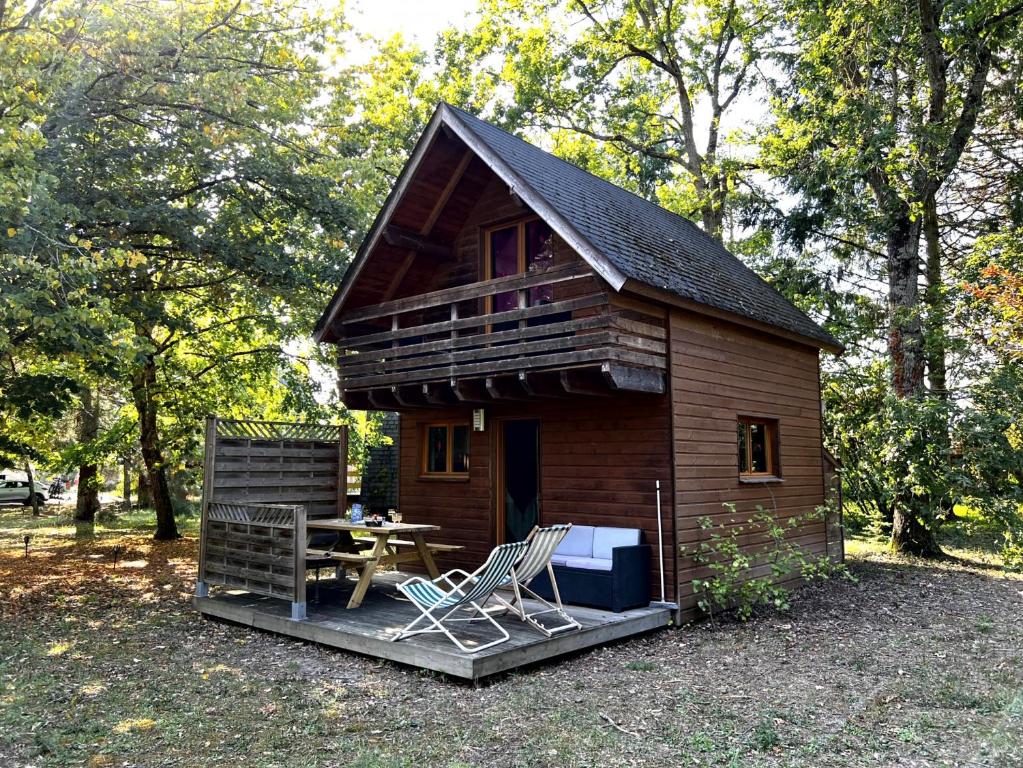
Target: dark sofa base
625	586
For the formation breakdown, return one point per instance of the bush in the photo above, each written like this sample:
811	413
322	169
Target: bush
732	550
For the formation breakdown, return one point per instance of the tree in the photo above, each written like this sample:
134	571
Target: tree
87	500
658	83
181	175
887	107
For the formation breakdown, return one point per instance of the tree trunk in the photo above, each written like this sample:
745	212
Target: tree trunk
32	495
143	392
910	533
935	329
905	334
87	505
126	483
712	211
935	300
145	497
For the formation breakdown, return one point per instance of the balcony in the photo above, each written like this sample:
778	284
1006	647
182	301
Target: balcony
562	335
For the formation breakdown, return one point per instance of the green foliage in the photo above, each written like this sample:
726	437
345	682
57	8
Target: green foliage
889	447
747	556
642	93
178	227
938	452
765	736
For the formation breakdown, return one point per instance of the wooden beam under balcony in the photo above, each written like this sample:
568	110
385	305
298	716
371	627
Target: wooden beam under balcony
625	378
505	388
541	384
410	397
383	400
404	238
583	382
357	400
470	391
440	394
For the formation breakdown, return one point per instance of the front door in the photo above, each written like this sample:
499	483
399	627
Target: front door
519	489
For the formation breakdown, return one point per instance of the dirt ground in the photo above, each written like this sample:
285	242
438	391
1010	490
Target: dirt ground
103	663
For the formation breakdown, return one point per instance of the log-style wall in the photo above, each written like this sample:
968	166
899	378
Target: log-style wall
720	371
599	456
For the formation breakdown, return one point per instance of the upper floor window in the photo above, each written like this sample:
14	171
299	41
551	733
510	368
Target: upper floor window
446	450
516	249
758	447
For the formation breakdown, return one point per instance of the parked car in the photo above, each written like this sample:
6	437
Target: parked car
17	491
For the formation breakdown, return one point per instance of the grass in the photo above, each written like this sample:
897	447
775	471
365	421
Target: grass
103	662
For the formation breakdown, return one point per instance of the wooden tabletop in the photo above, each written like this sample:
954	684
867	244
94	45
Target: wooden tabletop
388	528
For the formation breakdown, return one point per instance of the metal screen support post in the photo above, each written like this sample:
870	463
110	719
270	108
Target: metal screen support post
298	603
660	537
202	589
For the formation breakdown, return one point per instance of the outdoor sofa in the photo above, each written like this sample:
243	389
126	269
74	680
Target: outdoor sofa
600	567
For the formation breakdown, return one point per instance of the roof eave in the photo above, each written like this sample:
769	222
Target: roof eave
376	231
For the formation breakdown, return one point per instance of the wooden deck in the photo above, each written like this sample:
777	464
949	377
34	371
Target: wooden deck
367	630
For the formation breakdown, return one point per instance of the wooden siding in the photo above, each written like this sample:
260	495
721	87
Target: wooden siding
720	371
600	459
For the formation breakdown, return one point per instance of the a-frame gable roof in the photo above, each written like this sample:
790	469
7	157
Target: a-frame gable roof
621	235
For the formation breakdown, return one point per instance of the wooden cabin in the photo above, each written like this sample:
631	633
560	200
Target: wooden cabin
557	346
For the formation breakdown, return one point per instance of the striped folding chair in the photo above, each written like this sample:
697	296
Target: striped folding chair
542	543
437	600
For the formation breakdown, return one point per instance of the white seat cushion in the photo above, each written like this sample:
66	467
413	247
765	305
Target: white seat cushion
606	539
578	542
559	559
589	563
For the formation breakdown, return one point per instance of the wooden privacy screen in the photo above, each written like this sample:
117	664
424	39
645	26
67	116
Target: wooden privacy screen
258	548
262	481
263	462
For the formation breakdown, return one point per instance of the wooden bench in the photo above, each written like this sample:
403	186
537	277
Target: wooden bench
433	547
342	557
370	541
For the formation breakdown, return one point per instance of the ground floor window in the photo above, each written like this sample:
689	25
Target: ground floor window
445	450
758	447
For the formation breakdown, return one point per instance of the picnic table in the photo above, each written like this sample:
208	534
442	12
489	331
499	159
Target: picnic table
392	544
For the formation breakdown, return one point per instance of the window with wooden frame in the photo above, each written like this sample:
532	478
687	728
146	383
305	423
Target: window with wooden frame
758	448
445	450
515	249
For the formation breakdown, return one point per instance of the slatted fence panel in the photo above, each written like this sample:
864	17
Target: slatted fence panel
262	480
259	462
253	548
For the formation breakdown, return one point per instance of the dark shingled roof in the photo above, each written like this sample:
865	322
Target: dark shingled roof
642	240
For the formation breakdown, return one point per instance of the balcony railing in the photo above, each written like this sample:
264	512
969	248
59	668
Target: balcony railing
449	334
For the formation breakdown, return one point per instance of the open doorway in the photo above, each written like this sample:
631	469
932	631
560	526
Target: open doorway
519	486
